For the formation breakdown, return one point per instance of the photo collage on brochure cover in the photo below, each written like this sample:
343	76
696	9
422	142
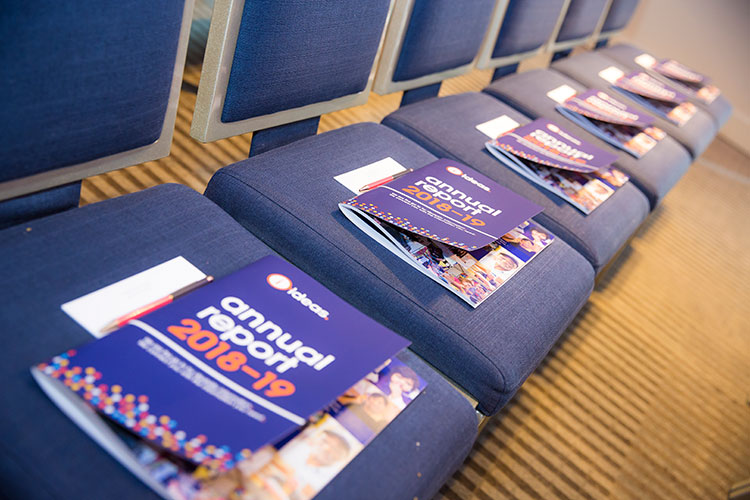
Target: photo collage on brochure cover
586	191
301	465
476	274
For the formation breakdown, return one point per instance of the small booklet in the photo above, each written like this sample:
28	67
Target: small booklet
452	224
684	78
660	98
299	466
613	121
222	372
576	171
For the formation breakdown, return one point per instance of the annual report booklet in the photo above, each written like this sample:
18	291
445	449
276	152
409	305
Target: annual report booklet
221	373
576	171
613	121
656	96
686	79
300	465
454	225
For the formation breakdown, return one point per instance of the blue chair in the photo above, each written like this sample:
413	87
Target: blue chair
288	197
654	174
86	90
695	135
720	108
64	256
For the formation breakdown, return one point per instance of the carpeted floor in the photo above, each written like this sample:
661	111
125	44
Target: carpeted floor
647	394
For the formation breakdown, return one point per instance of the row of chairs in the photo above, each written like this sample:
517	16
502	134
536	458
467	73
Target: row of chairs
79	106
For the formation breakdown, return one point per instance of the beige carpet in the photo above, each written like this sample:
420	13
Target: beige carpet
647	394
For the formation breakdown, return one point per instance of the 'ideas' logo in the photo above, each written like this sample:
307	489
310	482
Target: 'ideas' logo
284	284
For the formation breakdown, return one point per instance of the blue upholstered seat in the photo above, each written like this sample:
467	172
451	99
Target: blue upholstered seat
80	81
290	54
442	35
695	135
527	25
654	174
53	260
288	198
620	12
446	127
581	19
720	109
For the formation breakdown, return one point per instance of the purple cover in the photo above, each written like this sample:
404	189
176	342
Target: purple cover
678	71
213	376
644	85
601	106
544	142
448	202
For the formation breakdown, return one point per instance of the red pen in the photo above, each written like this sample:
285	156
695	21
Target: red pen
388	179
156	304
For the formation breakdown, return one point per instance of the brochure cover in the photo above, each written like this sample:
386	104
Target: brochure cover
448	221
656	96
694	81
300	466
231	367
613	121
575	170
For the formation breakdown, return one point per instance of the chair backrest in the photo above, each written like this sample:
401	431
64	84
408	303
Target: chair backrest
87	88
430	40
620	13
520	31
581	24
272	62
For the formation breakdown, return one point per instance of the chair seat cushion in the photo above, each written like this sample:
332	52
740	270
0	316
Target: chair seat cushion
654	174
695	135
288	197
53	260
720	108
446	126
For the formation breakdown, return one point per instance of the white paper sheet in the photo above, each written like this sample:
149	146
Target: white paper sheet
355	179
95	310
497	126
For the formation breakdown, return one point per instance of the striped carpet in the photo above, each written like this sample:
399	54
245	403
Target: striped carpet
647	394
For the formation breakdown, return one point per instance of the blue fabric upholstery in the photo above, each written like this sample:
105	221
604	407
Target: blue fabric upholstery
281	135
442	35
289	199
720	109
527	25
445	127
44	455
82	82
580	19
695	135
47	202
290	53
620	12
654	174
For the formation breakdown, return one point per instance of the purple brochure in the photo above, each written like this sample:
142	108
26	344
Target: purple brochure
448	202
673	69
644	85
229	368
599	105
543	142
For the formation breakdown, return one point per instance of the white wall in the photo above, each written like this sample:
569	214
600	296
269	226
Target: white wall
710	36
